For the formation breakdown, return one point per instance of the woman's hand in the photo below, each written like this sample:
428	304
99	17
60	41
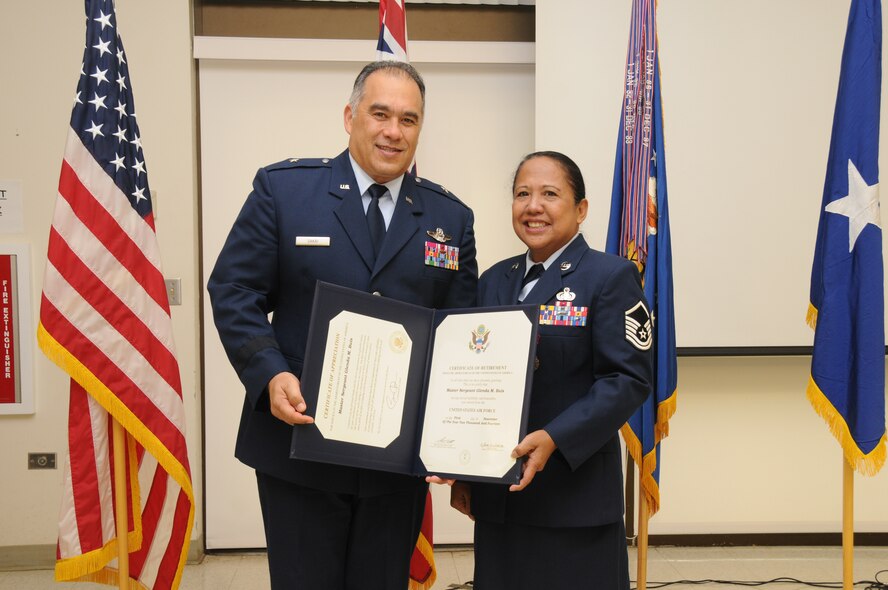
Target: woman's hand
537	446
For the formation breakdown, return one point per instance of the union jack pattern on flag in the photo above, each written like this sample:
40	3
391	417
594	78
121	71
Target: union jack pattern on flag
392	45
639	230
105	319
847	308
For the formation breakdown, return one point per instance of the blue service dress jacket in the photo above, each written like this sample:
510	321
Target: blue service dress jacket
588	381
265	269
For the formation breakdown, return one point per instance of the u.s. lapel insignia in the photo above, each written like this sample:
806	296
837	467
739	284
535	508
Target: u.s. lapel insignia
565	265
439	235
344	187
639	329
409	200
515	266
566	295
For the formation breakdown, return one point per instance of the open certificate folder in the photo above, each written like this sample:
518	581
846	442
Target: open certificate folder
399	387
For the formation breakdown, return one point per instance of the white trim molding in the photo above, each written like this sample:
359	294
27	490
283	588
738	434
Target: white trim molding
357	50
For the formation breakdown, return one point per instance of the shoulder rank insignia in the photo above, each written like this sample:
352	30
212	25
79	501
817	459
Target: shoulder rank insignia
566	295
439	235
639	329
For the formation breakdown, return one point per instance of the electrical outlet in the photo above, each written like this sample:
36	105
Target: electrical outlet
174	291
41	460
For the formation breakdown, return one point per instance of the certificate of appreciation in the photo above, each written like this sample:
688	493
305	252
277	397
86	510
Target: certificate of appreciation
361	396
398	387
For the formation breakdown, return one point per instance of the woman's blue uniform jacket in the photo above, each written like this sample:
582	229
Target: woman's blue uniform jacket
589	381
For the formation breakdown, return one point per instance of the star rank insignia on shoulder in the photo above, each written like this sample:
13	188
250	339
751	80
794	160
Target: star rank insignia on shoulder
639	328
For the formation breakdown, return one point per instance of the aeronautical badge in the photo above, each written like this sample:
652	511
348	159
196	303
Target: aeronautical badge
441	255
639	330
566	295
480	339
439	235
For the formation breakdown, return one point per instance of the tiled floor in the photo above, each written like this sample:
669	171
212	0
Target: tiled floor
247	571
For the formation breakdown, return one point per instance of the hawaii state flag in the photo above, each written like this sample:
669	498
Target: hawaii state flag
105	320
847	383
392	45
639	230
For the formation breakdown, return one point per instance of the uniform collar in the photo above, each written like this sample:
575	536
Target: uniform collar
528	261
364	181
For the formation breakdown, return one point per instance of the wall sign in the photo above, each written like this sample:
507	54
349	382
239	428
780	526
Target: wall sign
16	331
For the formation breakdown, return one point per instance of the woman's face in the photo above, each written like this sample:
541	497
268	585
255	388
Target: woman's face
545	215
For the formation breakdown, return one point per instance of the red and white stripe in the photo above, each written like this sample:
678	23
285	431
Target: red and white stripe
393	30
105	319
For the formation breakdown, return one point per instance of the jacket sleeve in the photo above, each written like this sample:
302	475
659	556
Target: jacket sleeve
243	288
621	372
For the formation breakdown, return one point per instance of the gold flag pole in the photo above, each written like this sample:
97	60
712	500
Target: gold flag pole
847	525
120	501
643	517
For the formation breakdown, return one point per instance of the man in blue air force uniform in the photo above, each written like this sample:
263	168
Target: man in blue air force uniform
357	220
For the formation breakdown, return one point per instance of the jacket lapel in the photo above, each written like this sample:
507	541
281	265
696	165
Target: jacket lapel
350	212
552	281
404	223
510	285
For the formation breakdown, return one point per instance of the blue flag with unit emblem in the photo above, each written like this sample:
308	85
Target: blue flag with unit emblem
847	383
639	230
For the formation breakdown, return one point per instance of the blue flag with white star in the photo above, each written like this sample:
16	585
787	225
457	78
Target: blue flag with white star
639	230
847	383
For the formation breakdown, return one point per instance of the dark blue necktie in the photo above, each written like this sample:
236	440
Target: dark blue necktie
534	273
374	217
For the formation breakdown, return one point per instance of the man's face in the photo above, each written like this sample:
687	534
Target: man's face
384	129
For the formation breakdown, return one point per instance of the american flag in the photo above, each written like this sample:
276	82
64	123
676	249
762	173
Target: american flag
105	319
392	45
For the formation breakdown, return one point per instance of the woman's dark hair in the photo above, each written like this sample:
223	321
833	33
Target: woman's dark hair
571	170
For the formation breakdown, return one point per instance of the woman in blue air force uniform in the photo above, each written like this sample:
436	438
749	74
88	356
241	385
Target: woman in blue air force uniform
562	526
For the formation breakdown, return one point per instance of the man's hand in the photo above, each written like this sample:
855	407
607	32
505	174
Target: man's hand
285	399
538	446
461	498
439	480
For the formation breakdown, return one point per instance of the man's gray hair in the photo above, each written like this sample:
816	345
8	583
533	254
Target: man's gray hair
393	67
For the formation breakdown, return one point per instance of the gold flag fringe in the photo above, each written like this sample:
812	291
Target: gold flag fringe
665	411
866	464
111	577
811	317
425	548
647	464
84	566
